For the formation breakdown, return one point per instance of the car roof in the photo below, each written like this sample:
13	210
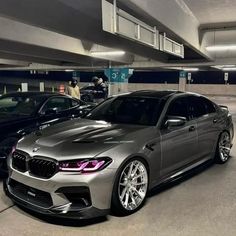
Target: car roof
33	94
154	94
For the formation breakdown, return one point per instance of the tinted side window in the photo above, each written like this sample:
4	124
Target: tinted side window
200	106
210	108
60	103
74	103
178	107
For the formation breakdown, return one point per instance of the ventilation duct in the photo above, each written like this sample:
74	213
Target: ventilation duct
119	22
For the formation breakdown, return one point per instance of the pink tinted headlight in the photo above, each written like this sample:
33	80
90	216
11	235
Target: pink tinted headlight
84	165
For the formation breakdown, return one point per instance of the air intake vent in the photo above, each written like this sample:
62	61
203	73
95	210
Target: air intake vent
31	195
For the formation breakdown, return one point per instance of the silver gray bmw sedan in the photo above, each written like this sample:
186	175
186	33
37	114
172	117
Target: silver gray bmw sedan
113	156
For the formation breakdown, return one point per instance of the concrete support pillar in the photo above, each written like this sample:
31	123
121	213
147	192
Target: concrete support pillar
182	81
118	88
41	87
24	87
5	90
182	84
118	80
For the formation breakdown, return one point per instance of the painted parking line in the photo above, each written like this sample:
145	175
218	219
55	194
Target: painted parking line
5	209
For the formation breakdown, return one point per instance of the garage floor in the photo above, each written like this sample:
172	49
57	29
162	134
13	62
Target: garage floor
204	204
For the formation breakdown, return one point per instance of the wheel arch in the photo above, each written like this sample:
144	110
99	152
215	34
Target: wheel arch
129	158
133	156
216	156
119	171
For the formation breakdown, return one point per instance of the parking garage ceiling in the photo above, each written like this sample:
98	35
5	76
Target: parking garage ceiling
213	11
61	33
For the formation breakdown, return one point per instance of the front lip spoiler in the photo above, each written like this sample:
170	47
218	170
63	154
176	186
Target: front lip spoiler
64	211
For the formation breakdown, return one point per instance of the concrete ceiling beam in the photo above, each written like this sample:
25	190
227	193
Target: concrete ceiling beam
175	18
145	65
23	39
13	63
75	18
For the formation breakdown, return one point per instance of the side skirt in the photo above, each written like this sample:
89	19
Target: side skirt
182	172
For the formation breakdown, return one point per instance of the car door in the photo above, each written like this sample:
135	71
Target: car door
178	144
204	113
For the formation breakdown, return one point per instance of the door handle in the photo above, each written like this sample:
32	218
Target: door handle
192	128
215	120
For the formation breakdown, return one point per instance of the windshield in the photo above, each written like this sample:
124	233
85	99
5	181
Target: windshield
19	105
128	110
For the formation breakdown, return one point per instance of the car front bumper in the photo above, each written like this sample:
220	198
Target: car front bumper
67	195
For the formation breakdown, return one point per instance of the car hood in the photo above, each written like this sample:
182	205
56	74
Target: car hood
80	138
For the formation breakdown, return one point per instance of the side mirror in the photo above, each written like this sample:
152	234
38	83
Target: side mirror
85	111
175	121
51	111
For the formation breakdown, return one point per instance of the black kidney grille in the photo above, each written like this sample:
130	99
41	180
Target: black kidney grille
31	195
42	168
19	161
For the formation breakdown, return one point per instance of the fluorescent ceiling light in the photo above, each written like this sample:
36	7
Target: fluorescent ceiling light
229	69
68	70
191	69
220	48
228	66
173	68
183	68
108	53
224	67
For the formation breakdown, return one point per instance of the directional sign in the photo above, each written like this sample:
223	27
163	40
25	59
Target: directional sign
76	75
182	74
118	75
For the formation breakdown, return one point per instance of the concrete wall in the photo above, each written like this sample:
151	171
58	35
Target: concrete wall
206	89
12	85
212	89
134	87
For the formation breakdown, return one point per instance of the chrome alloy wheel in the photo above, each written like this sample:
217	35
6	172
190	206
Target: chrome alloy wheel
133	185
224	146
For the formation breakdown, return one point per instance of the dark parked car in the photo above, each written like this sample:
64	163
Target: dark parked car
112	157
87	93
22	113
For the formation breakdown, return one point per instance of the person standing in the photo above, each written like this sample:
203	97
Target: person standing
100	92
73	89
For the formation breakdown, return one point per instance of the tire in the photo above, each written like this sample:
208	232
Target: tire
223	148
129	192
